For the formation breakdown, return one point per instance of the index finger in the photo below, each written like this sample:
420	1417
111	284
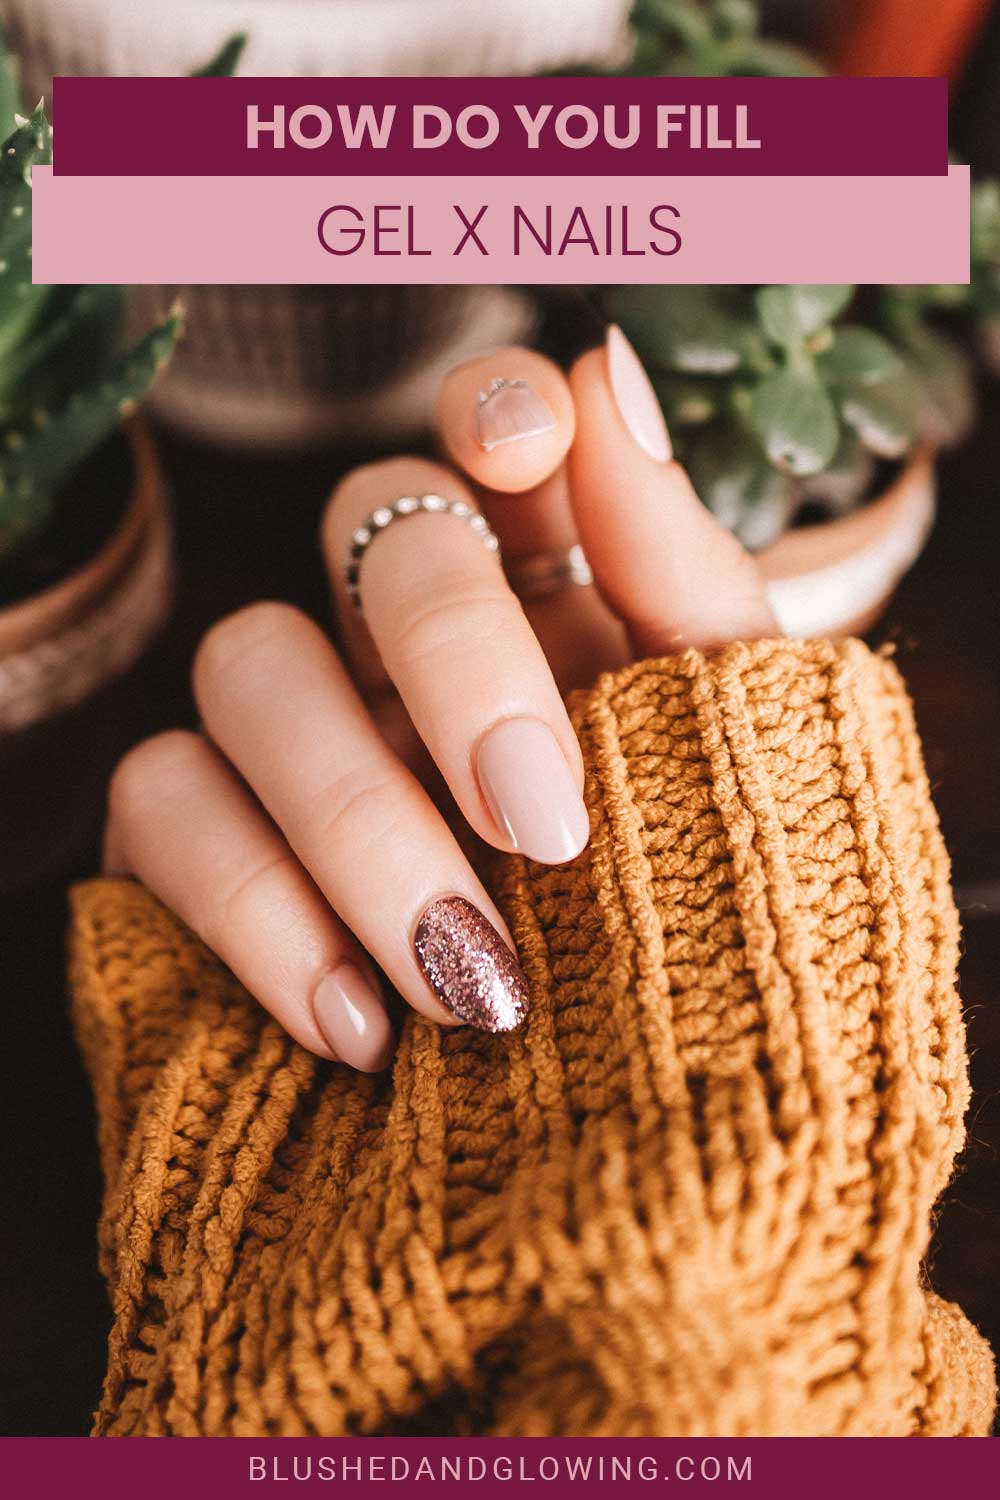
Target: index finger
662	561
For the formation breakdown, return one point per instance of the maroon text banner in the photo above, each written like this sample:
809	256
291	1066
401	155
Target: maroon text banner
820	1468
416	127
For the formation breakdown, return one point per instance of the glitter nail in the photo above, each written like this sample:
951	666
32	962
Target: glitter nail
469	966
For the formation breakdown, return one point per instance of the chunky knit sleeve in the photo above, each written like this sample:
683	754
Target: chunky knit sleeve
690	1197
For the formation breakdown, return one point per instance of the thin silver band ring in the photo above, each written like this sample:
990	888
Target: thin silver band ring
543	573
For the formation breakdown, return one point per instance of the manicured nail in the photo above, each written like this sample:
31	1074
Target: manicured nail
469	966
635	397
352	1018
531	791
508	411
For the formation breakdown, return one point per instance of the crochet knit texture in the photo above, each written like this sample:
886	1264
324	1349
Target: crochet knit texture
690	1197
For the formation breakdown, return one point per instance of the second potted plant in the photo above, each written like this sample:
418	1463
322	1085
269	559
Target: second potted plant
84	526
275	367
808	416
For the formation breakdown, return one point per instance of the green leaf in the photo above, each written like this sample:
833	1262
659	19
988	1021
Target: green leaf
225	61
742	490
647	61
791	314
735	18
795	420
985	221
767	59
948	404
770	511
686	22
688	403
686	328
70	345
844	484
857	356
29	143
10	90
36	462
885	416
986	292
20	301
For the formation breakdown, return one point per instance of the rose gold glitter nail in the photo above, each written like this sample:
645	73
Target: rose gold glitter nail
469	966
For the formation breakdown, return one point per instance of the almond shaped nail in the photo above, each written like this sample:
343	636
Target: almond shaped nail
469	966
635	397
350	1014
509	411
531	792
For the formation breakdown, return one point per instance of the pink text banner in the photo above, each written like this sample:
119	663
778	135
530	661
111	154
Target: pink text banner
541	230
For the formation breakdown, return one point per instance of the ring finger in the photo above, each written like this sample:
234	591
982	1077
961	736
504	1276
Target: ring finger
522	484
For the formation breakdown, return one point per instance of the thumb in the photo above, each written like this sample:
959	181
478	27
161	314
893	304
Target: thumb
663	563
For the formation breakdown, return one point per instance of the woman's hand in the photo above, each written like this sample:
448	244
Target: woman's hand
299	836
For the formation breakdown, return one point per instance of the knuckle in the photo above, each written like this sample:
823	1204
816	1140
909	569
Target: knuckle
149	767
238	635
355	811
238	906
454	616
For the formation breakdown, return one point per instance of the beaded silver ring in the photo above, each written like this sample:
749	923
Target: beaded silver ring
409	505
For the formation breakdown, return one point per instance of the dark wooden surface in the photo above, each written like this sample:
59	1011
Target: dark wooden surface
245	531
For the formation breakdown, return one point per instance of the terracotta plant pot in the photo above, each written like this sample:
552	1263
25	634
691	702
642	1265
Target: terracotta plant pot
285	367
836	578
65	658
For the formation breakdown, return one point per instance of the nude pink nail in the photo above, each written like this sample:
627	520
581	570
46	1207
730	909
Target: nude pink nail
509	411
635	397
531	791
350	1014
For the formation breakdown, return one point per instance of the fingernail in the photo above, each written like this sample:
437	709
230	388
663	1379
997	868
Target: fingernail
508	411
531	791
353	1020
635	397
469	966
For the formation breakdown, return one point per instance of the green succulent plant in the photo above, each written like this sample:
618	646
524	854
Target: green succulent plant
779	396
66	377
721	39
782	395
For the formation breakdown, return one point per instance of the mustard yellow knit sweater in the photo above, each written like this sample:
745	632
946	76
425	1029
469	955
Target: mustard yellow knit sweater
691	1197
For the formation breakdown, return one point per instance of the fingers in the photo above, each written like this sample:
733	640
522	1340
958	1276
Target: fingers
466	663
277	702
663	563
181	822
515	439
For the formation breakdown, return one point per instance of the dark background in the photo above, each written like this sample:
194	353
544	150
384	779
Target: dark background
245	530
